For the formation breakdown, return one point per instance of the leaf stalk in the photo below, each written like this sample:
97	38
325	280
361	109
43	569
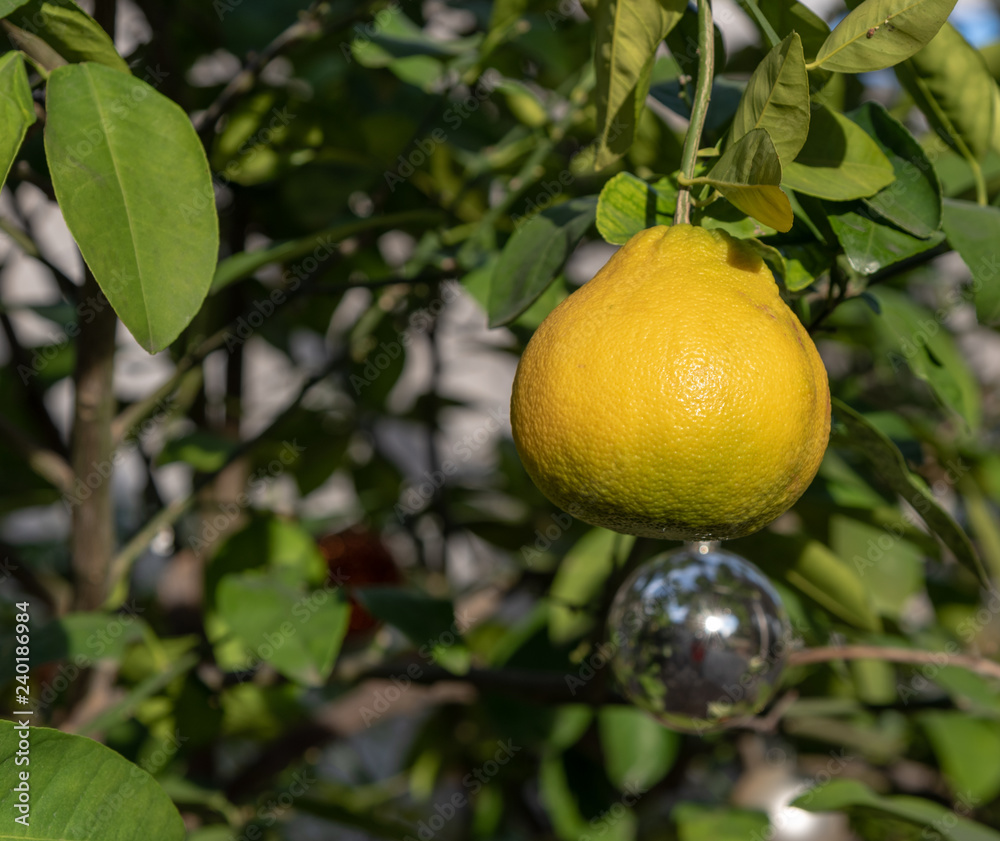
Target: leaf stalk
699	110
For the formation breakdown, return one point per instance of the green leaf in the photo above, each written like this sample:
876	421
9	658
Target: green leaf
803	264
913	200
80	789
787	16
582	572
841	795
869	242
921	339
777	99
968	750
881	33
134	186
628	34
424	619
855	432
628	205
203	450
698	822
748	174
638	750
297	632
951	84
535	255
838	161
71	32
8	6
973	231
17	111
834	584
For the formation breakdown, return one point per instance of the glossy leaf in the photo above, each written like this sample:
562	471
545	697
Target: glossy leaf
881	33
17	111
840	795
638	750
869	241
748	174
913	200
71	32
918	337
134	186
628	205
838	161
973	231
628	33
777	99
855	432
535	254
951	84
298	633
80	789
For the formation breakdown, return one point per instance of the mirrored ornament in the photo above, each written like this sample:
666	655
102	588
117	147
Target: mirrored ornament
700	637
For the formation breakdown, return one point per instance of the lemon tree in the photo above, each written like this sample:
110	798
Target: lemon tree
355	355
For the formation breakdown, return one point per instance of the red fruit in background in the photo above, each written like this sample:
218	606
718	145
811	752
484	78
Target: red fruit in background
359	558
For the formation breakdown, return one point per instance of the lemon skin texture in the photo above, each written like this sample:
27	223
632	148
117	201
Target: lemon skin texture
674	395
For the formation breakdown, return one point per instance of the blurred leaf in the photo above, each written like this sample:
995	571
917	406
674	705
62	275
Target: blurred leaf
203	450
535	255
913	200
748	174
424	619
560	803
856	433
951	84
787	16
582	572
968	750
298	633
890	566
834	584
924	342
72	782
698	822
628	205
628	34
973	231
838	161
881	33
17	110
777	99
76	636
569	724
8	6
969	691
839	795
72	33
132	181
638	750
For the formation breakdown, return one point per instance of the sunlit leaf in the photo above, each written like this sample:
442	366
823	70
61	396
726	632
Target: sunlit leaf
17	111
881	33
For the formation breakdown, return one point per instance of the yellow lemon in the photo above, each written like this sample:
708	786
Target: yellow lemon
675	395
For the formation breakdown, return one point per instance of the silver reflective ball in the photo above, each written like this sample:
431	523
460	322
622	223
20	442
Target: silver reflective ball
700	638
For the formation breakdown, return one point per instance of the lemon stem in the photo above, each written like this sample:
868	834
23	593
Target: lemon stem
702	93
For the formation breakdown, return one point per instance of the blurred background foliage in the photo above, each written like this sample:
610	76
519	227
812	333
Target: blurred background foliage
361	619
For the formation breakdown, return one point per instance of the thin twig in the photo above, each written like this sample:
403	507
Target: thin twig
46	463
699	109
915	657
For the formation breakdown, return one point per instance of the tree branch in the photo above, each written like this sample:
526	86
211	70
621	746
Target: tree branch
909	656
